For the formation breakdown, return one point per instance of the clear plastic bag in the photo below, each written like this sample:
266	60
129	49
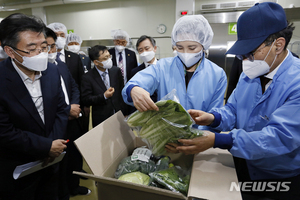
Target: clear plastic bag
174	179
136	177
139	161
158	128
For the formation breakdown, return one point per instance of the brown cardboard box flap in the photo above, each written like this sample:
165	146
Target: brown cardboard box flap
105	143
212	174
134	186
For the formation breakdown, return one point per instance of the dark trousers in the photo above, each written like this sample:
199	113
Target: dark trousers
243	176
41	185
71	162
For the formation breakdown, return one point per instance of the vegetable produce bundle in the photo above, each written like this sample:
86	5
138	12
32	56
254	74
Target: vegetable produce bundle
127	165
156	172
174	179
136	177
158	128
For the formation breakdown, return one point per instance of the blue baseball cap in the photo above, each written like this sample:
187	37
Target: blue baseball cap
256	24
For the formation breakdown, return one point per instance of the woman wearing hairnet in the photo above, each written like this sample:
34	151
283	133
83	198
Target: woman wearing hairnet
200	84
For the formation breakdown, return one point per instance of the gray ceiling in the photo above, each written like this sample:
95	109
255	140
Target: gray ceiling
293	14
17	2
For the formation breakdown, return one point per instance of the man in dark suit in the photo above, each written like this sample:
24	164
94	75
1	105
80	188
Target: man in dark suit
33	112
69	183
122	57
86	62
72	60
146	46
101	87
73	42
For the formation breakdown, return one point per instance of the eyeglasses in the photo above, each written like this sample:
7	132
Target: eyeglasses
250	56
35	51
121	42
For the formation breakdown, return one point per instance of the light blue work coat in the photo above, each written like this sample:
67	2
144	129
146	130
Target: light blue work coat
205	90
266	127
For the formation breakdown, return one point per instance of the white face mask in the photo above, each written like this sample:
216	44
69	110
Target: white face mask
189	59
60	42
107	64
174	53
52	57
257	67
147	56
120	48
34	63
74	48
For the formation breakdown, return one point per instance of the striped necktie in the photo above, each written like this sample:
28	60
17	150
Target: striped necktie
105	80
58	56
121	65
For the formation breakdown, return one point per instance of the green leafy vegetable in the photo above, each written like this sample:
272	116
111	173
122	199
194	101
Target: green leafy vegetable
127	166
167	125
136	177
173	179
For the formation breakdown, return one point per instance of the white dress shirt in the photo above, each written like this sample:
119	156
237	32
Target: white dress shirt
107	77
62	56
63	86
124	63
154	63
34	89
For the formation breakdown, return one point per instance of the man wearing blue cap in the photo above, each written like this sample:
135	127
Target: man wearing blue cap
263	112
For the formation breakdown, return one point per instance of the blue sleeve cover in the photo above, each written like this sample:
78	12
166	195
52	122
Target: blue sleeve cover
223	141
128	90
217	120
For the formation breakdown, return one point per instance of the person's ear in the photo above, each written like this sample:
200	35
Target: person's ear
279	44
155	48
8	50
97	63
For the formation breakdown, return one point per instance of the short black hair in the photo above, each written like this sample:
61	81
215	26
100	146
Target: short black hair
286	33
144	37
14	24
94	52
50	33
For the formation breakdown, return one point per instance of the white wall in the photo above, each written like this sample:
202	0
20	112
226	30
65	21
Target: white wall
94	21
4	14
184	5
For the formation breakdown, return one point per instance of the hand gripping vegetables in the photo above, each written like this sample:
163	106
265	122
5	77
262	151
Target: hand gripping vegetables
157	128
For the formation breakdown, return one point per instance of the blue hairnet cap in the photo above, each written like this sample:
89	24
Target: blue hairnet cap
256	24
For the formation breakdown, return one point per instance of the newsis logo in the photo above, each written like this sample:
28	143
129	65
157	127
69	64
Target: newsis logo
260	186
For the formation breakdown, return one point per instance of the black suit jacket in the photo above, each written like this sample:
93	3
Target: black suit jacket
74	129
86	62
92	94
131	61
74	64
136	70
23	135
71	85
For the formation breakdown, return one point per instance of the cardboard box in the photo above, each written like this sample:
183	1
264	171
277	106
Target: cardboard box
107	144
